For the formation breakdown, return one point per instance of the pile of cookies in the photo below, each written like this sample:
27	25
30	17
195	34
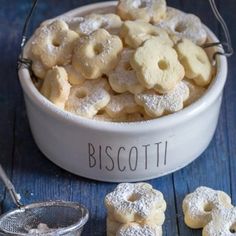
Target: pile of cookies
139	210
144	62
135	209
211	210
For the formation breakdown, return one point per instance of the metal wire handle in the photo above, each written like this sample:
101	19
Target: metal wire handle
27	63
10	187
228	49
227	46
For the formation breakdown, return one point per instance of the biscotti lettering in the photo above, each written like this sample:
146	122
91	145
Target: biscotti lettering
127	158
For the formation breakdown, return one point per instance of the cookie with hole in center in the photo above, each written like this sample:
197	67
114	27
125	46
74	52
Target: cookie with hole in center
198	206
157	66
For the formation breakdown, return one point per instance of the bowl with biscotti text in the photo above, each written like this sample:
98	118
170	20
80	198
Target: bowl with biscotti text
117	93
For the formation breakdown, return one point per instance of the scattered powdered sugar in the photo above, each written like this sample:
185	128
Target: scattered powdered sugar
139	198
223	223
89	25
93	22
107	47
72	22
135	229
196	202
169	102
41	229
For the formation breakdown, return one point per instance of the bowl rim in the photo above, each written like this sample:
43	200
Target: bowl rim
213	92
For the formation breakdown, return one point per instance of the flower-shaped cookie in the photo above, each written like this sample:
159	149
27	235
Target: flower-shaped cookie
145	10
135	33
199	205
156	105
89	98
195	61
97	54
182	25
157	66
136	203
53	44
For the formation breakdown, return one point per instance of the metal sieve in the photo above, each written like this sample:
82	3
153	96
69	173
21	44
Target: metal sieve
53	218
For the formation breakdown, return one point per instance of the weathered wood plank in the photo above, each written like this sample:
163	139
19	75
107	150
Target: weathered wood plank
212	168
230	94
8	78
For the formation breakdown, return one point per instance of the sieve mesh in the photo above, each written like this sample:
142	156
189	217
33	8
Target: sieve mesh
62	218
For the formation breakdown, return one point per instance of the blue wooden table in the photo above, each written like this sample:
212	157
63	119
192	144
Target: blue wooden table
37	179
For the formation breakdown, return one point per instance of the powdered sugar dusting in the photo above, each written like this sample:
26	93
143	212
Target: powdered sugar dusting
87	99
40	230
123	78
169	102
135	229
89	26
194	204
53	43
146	198
223	223
184	25
90	23
107	47
72	22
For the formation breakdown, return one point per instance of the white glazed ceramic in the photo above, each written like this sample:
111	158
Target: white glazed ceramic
118	152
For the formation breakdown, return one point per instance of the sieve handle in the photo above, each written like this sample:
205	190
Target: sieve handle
11	189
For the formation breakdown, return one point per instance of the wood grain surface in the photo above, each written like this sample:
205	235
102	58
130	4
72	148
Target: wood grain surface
37	179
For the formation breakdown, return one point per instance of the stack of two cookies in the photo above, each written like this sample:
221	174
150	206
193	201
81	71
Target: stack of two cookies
135	209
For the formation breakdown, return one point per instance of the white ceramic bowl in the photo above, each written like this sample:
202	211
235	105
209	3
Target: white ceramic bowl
118	152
